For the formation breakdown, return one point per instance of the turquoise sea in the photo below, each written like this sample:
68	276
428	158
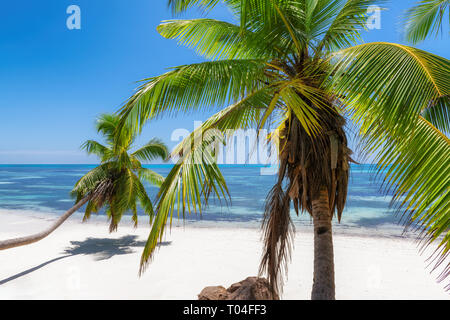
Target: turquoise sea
45	188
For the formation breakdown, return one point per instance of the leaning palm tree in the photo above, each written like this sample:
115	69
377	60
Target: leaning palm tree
116	184
425	18
298	65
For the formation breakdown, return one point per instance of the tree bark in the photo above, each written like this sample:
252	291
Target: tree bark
17	242
323	286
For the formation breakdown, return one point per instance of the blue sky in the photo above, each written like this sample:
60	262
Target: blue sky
55	81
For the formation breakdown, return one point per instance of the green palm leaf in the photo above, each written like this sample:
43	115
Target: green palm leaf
218	40
89	181
193	87
345	29
438	113
196	174
179	6
425	18
154	149
417	169
194	177
391	82
151	177
96	148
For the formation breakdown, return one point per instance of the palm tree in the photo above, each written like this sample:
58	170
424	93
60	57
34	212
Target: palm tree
425	18
117	183
298	64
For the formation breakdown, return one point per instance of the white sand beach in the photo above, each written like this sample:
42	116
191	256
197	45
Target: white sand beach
84	261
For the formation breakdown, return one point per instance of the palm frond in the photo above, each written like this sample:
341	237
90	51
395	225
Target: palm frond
124	198
259	11
145	201
438	113
107	125
305	113
154	149
417	170
192	87
179	6
296	35
218	40
89	181
196	174
425	18
96	148
192	179
278	236
151	177
348	20
390	82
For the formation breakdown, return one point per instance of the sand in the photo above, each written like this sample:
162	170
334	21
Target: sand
84	261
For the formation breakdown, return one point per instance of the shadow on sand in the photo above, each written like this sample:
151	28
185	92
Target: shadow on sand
101	248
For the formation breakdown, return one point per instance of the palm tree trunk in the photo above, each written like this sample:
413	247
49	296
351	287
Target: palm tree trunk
17	242
323	286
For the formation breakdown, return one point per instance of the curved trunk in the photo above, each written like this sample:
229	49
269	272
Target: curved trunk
323	286
17	242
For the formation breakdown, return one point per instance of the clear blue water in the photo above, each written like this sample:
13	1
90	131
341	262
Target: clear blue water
46	188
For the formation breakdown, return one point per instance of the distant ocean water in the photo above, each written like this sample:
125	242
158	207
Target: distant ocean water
46	188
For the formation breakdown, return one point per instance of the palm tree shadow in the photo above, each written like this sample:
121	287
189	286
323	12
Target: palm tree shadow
104	248
101	248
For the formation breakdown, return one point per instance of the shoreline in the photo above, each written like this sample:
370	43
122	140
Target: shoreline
387	230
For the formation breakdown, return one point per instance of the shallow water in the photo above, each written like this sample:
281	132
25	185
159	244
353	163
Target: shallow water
45	188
